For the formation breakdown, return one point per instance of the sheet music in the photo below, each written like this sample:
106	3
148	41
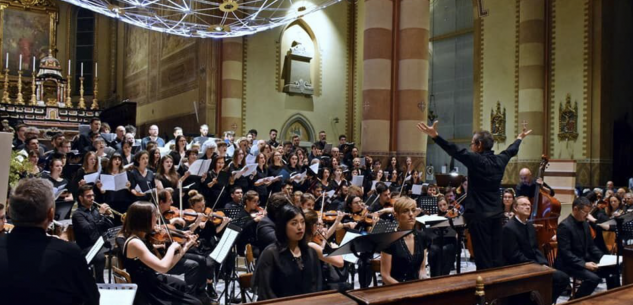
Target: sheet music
117	294
247	170
224	246
114	183
94	250
251	159
59	190
330	193
358	180
164	151
429	218
607	260
91	178
315	168
349	236
199	167
416	189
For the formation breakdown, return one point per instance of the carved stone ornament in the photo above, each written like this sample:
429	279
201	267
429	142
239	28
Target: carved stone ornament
296	72
568	120
498	123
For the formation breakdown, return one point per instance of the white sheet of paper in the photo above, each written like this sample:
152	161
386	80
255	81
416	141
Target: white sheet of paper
387	183
330	193
116	294
358	180
114	183
164	151
94	250
129	165
349	236
230	150
251	159
430	218
224	246
373	185
92	178
315	168
607	260
249	169
416	189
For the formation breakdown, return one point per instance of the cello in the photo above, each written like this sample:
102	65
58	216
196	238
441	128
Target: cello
545	210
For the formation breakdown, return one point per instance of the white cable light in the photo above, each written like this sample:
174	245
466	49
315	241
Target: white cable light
204	18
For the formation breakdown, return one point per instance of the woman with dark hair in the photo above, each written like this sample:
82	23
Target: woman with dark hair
508	202
141	178
126	153
290	259
117	200
605	237
393	170
145	269
90	166
239	161
179	151
154	159
55	177
260	185
213	188
275	166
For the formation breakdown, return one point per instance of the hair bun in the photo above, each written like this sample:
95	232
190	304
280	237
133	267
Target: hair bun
192	193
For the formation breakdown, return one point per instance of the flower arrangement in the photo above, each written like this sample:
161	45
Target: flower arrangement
19	165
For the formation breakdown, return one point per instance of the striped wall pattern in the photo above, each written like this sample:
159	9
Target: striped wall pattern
232	93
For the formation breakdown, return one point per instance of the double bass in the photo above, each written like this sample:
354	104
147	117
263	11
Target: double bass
545	210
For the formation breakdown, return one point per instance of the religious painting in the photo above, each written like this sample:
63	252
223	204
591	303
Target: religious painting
568	120
498	123
136	50
28	33
298	125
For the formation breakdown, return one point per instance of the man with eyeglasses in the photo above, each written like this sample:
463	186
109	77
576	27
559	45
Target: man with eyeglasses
483	207
91	223
519	244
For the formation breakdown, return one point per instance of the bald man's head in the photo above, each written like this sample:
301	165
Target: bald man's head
525	176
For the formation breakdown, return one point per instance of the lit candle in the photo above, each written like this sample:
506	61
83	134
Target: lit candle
33	65
6	61
20	63
82	69
96	70
69	67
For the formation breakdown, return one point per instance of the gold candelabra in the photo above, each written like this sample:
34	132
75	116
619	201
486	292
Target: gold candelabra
69	103
95	104
82	102
33	97
20	99
5	94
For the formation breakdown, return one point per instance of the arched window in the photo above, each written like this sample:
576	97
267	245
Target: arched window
84	50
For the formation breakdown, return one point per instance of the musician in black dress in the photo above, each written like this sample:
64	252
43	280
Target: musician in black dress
404	260
578	256
519	244
141	178
484	212
446	243
289	266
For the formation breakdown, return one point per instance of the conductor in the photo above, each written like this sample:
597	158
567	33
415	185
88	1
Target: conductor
484	210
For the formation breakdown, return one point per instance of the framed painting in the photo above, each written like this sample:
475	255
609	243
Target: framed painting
27	27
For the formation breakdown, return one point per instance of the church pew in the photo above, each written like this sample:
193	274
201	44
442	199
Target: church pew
460	288
620	295
330	297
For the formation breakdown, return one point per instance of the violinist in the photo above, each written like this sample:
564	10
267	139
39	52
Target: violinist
612	208
444	248
252	214
37	267
147	270
193	263
382	206
333	274
404	260
91	223
307	202
527	185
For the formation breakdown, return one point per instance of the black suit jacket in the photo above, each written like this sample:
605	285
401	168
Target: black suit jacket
265	233
485	171
575	245
37	269
519	244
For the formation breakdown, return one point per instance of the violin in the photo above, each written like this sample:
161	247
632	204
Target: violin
330	216
172	213
364	216
190	215
7	229
161	236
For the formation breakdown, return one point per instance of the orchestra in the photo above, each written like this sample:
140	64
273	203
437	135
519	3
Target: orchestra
291	216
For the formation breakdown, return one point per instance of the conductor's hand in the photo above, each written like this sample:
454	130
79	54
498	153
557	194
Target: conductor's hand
429	130
524	133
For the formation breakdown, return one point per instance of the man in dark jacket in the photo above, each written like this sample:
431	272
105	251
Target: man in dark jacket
519	244
484	210
578	256
265	230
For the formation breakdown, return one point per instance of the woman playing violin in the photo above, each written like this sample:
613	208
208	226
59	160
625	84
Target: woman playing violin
248	218
145	269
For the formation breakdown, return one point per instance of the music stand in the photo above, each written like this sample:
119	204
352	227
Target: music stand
62	209
364	248
234	214
220	254
110	237
428	204
384	226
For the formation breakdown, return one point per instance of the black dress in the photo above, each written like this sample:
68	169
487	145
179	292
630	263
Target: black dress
145	183
404	265
278	274
153	287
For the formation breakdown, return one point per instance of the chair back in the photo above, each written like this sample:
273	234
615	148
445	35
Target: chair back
551	252
120	276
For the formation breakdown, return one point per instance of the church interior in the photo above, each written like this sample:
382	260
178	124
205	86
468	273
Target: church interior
356	85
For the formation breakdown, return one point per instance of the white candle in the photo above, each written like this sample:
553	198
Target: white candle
20	63
96	70
6	61
69	67
33	65
82	69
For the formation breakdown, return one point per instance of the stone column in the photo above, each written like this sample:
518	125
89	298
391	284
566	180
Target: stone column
377	61
413	71
532	80
231	104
